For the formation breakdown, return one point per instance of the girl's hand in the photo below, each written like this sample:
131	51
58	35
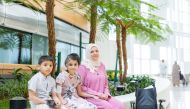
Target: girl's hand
64	102
57	102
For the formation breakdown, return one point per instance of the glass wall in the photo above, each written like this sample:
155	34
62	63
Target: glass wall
15	46
39	47
18	47
177	46
23	35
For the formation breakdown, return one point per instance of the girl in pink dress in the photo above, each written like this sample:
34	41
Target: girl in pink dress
95	82
68	85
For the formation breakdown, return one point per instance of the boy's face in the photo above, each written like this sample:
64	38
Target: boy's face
46	67
72	66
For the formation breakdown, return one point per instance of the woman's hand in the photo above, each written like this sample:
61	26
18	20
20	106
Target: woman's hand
95	97
104	96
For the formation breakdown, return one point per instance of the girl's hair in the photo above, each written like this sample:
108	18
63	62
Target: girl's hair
72	56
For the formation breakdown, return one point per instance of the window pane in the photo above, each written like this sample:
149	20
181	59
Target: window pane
15	46
145	52
145	66
25	48
8	46
137	69
129	66
39	47
64	49
181	42
186	55
163	53
174	54
169	54
186	43
177	41
136	50
74	49
155	67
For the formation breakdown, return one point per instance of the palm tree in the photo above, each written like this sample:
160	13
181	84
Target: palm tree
91	8
51	29
127	14
118	42
93	21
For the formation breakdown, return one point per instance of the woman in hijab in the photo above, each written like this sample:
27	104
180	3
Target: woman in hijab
175	74
94	80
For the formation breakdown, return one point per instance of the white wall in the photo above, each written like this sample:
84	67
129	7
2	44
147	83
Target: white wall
108	53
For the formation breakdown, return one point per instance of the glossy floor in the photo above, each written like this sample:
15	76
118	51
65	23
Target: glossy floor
180	97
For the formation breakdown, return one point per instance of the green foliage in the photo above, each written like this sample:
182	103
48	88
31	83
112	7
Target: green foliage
144	26
17	75
33	70
130	85
113	90
4	104
18	86
111	75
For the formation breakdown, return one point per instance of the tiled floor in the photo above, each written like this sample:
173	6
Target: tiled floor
180	97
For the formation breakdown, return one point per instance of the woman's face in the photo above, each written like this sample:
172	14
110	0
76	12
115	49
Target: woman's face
94	53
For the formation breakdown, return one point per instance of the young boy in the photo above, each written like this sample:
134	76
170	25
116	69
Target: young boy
42	87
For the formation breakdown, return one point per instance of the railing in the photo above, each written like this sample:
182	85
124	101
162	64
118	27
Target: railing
9	68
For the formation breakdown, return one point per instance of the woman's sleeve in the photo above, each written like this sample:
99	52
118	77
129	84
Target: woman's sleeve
82	71
106	86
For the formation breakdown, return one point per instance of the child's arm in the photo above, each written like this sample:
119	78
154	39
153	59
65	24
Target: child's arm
59	90
34	98
84	94
55	98
63	101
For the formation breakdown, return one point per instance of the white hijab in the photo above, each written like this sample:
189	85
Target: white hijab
88	62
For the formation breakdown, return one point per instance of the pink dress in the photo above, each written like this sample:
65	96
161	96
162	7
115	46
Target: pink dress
97	83
69	92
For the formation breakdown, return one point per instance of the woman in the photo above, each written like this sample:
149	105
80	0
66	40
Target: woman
94	80
175	74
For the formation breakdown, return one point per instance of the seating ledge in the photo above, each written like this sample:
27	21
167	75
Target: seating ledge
163	86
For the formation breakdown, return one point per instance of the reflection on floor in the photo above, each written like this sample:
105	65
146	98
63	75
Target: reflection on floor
180	97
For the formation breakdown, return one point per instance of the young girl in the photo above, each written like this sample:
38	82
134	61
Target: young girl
69	84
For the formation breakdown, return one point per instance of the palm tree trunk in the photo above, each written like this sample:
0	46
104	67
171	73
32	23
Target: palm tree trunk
124	37
51	29
93	23
119	50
